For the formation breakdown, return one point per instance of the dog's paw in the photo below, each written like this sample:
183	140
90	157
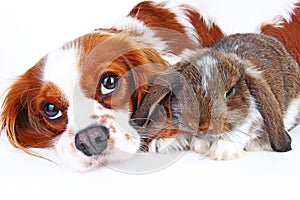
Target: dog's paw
225	150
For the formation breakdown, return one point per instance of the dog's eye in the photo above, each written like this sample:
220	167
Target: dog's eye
52	111
109	83
230	92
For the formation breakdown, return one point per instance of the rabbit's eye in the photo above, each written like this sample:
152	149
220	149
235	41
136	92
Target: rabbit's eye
230	92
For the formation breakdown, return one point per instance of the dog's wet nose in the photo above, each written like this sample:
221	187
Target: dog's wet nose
92	140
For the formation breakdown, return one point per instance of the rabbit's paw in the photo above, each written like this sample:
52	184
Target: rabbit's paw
199	146
165	145
226	150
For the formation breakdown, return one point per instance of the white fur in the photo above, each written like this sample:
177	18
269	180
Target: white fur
231	145
139	32
60	69
167	145
226	150
181	16
253	72
144	35
200	146
208	64
292	114
235	16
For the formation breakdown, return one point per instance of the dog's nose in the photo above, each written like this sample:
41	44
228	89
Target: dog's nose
92	140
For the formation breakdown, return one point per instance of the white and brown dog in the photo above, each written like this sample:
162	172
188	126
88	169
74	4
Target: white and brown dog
79	98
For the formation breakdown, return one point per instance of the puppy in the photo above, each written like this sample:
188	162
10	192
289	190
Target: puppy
243	93
78	99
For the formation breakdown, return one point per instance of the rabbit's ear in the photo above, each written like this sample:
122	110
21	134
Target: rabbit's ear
271	112
156	94
160	91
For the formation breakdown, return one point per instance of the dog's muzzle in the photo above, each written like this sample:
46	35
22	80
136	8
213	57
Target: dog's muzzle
92	140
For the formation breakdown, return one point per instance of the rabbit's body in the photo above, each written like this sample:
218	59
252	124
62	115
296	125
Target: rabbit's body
242	93
272	77
268	56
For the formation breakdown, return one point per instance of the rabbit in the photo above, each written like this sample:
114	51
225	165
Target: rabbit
240	94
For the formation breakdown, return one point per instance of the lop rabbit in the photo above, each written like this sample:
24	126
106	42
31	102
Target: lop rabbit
242	93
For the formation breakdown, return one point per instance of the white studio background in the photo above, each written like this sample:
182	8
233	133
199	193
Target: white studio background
28	30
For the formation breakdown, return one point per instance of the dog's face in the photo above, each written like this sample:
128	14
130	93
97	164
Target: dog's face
79	99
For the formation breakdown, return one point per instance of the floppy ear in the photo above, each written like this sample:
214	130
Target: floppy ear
271	112
160	91
156	94
19	118
153	117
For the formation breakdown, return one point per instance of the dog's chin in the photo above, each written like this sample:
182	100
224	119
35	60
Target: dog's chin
71	157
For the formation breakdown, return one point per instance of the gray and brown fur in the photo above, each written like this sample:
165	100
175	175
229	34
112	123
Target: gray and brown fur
215	92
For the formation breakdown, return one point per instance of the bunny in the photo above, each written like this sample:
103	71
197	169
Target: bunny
242	93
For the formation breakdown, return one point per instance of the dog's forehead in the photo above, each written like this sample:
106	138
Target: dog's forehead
64	66
61	68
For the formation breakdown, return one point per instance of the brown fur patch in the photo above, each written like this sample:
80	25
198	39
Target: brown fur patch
22	118
206	35
156	16
111	141
112	129
288	33
132	62
50	93
127	136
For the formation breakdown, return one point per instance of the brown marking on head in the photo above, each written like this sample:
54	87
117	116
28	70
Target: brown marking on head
155	15
104	119
111	141
22	117
133	64
50	93
112	129
288	33
127	136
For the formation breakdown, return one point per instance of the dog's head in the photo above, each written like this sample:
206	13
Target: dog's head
79	98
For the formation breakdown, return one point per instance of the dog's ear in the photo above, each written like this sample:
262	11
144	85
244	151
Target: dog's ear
19	118
271	113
